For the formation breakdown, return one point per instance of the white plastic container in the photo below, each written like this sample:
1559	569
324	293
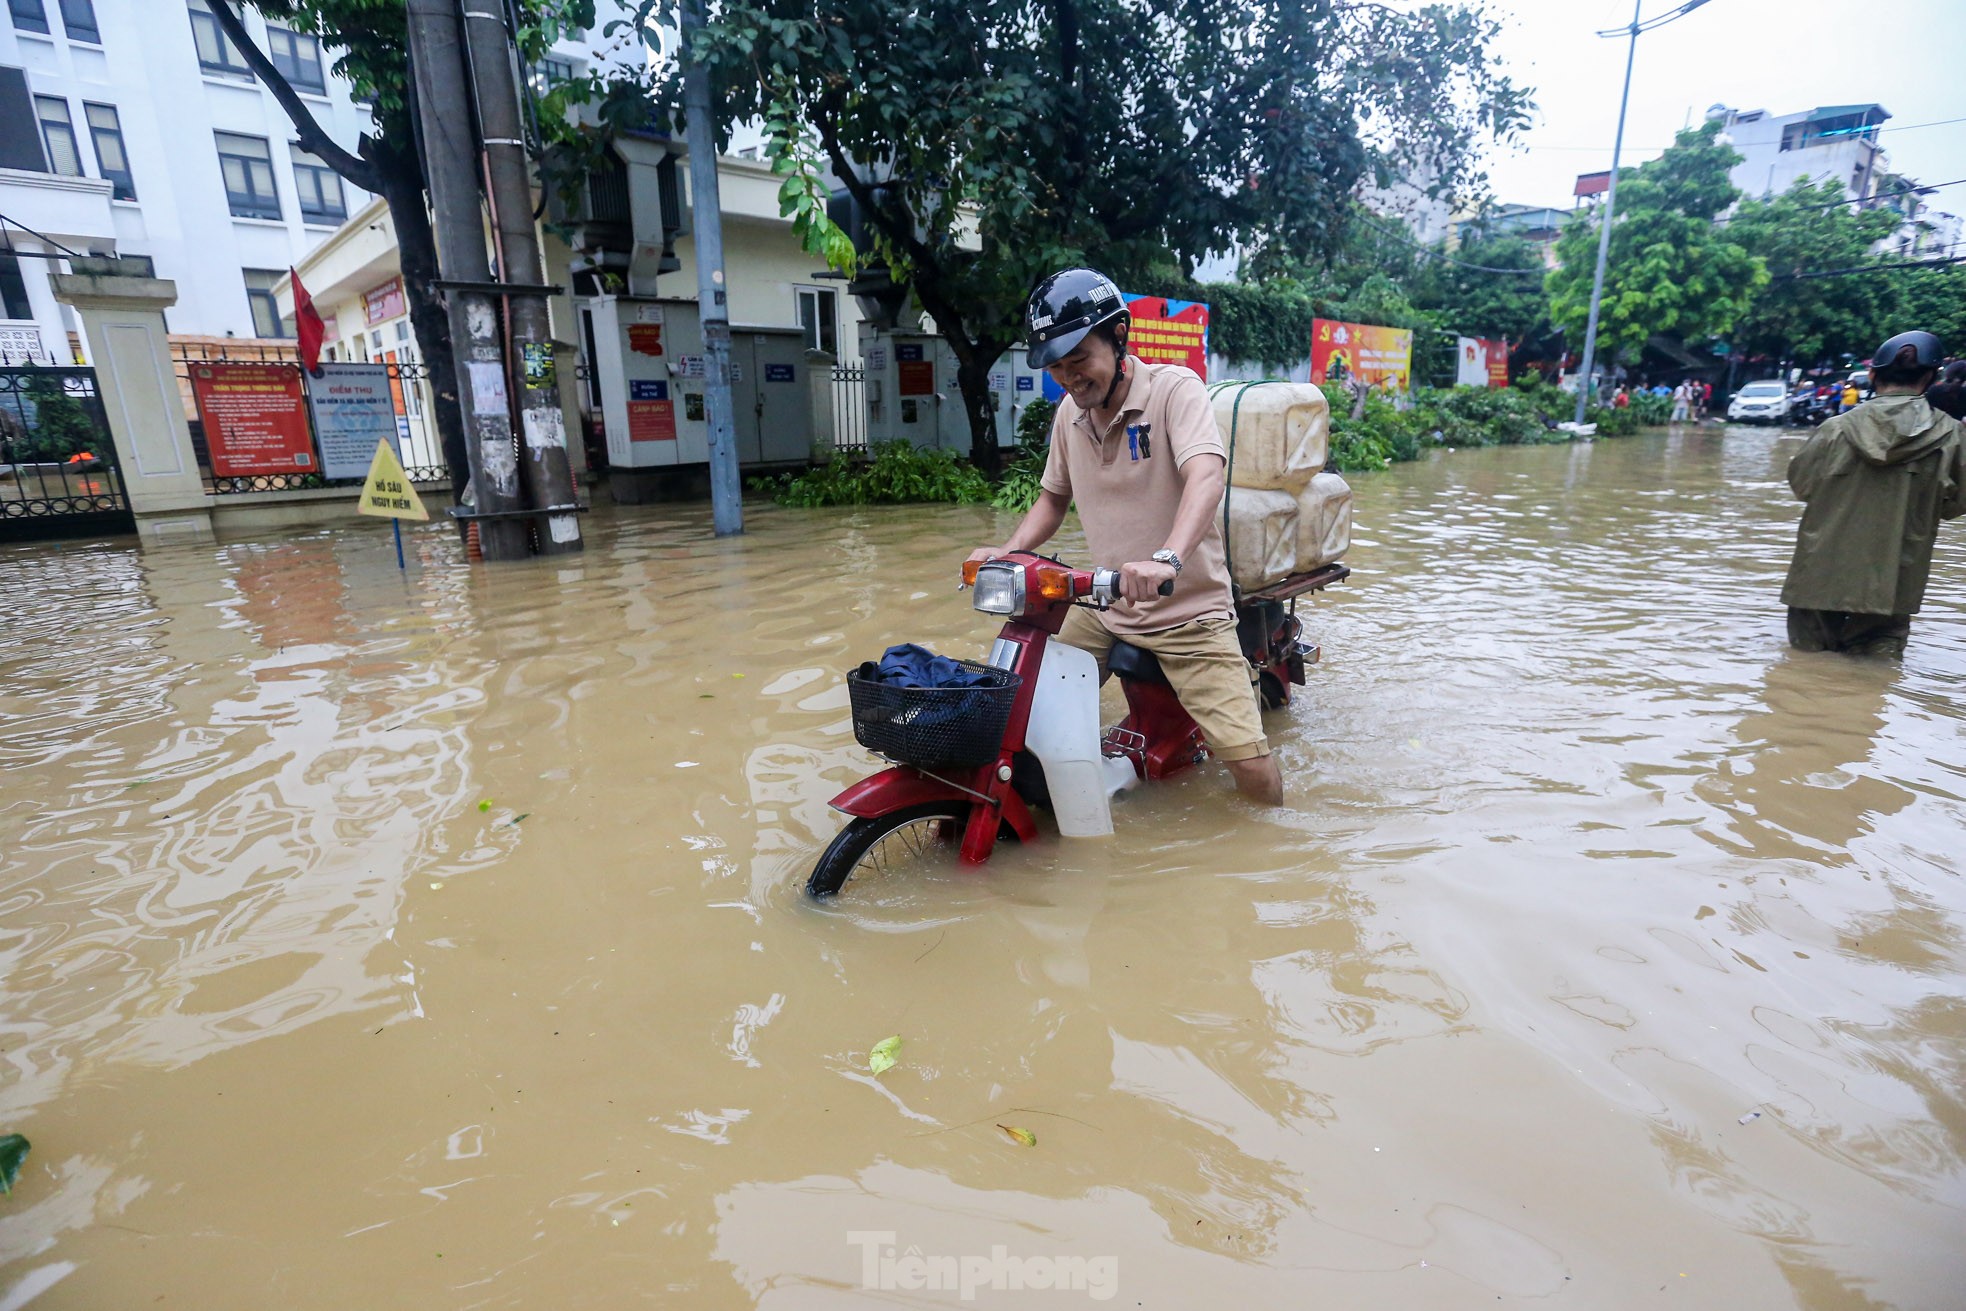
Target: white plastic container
1282	433
1324	522
1262	538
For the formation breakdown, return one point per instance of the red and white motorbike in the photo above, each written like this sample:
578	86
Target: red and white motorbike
968	764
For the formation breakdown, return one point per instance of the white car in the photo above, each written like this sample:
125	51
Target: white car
1759	402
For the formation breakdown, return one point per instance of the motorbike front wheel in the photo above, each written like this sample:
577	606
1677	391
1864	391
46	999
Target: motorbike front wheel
910	838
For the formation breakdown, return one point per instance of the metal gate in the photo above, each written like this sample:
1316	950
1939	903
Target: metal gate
58	474
849	407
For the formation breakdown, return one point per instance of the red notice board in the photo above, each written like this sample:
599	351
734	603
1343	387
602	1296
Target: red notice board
255	418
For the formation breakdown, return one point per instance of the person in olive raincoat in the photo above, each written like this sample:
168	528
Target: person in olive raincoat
1875	481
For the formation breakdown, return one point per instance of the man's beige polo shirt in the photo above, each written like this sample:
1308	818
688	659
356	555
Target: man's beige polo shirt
1127	485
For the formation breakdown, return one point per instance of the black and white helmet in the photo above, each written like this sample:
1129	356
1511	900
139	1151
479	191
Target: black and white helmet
1065	307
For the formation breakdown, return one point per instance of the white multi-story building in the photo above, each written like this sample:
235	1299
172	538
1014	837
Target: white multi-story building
1831	143
204	179
134	127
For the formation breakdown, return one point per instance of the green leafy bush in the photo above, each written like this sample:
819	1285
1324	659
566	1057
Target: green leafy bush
1022	476
1034	425
1652	411
897	473
1613	422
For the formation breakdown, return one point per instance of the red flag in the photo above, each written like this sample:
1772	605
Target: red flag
307	325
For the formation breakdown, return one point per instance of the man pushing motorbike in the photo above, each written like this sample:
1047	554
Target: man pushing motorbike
1135	446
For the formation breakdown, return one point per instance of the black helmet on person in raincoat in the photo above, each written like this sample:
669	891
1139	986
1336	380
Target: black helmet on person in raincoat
1930	353
1066	306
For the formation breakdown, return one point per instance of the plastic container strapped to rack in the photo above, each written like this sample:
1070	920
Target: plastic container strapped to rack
933	727
1229	475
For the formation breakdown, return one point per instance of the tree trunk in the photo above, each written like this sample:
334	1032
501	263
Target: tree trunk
973	377
416	250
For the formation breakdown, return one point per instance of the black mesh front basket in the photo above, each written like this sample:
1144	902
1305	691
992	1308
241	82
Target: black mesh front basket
934	727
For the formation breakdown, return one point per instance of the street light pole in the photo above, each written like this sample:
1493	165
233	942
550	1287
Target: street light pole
1584	387
1611	193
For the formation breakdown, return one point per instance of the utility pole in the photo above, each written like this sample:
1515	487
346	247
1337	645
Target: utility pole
726	493
544	471
1584	388
450	165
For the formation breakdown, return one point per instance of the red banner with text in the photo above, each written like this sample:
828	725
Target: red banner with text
255	418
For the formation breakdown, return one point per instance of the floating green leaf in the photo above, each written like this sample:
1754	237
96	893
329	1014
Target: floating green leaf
13	1155
881	1059
484	805
1024	1136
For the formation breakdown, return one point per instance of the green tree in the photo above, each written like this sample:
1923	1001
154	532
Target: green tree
368	43
1470	301
1930	298
990	141
1672	269
1809	320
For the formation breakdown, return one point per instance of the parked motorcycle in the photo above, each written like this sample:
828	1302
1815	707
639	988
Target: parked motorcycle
968	764
1808	408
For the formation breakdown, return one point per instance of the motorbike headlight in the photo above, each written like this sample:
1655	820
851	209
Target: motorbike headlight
999	590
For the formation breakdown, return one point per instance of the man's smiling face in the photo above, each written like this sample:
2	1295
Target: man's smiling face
1087	372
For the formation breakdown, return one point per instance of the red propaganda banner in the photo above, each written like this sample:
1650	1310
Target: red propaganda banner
1481	363
255	418
1379	357
1498	363
1170	332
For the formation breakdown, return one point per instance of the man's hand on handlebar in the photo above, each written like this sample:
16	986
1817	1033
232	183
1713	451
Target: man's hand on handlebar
1144	580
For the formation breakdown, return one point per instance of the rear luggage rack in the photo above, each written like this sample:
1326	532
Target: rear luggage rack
1300	584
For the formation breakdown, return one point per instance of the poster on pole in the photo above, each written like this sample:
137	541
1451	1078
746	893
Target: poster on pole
255	418
1379	356
353	408
1480	362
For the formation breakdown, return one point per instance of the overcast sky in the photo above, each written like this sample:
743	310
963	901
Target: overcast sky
1778	55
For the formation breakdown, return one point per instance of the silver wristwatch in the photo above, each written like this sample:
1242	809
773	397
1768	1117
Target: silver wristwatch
1167	557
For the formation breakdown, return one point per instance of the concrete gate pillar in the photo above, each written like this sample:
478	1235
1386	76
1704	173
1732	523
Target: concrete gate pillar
819	400
123	321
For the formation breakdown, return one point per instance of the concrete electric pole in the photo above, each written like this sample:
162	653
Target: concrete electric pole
544	470
450	163
1584	388
726	492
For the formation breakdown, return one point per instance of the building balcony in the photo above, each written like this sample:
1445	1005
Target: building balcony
73	211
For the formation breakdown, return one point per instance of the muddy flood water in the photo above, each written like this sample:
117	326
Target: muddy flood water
434	942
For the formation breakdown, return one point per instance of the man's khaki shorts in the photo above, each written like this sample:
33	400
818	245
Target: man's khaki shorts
1204	663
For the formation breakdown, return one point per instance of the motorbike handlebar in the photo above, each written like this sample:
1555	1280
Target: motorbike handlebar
1106	587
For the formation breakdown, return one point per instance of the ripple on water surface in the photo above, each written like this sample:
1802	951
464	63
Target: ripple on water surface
438	940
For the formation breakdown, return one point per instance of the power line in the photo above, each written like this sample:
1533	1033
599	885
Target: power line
1431	253
1871	268
1901	127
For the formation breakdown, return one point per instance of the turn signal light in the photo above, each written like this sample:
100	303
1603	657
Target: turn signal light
969	573
1052	584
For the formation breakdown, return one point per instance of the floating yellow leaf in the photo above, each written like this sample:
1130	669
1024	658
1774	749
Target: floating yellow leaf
1024	1136
881	1059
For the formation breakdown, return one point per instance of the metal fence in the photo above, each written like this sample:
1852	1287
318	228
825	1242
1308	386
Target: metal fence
849	407
58	473
409	386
